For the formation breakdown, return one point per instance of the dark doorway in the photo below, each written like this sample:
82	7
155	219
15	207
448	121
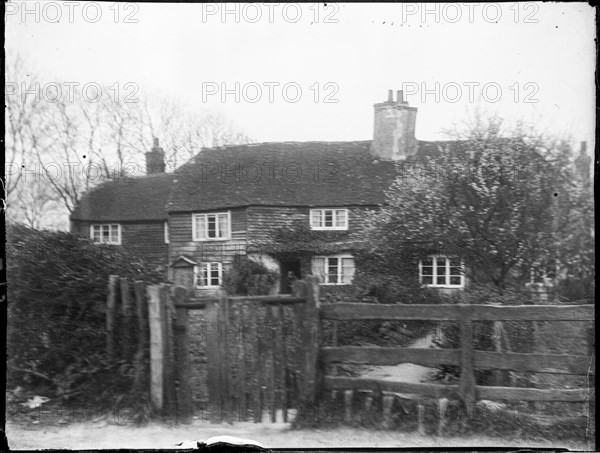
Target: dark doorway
290	271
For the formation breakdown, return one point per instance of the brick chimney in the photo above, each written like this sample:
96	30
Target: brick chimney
155	159
583	164
394	131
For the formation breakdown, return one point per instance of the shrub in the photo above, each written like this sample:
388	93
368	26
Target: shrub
249	278
56	316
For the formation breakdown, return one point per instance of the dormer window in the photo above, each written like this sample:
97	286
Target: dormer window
441	272
106	233
329	219
211	227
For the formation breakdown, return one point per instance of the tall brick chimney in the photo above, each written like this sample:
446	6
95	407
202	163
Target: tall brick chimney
155	159
583	163
394	131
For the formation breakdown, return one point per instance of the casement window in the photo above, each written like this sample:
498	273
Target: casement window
211	227
441	271
109	233
329	219
166	232
208	275
334	270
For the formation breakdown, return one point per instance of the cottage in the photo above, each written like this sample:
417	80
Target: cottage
297	207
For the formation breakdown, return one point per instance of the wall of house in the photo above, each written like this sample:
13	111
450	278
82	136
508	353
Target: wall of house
182	243
144	238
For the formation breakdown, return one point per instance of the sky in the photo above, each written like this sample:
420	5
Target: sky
303	72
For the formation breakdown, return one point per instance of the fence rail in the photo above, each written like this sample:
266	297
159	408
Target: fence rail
389	312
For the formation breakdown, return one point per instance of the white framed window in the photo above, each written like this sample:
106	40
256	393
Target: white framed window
107	233
441	272
211	227
166	232
334	269
329	219
208	275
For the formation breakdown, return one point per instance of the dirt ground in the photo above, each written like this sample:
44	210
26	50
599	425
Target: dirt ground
105	435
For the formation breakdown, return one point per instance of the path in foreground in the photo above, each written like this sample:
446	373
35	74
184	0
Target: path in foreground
101	435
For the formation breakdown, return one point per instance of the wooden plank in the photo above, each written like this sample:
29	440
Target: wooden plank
213	359
168	312
156	346
269	363
282	340
126	333
299	289
535	363
111	315
182	363
254	320
241	322
141	369
421	419
528	394
388	402
376	385
259	300
376	355
348	396
466	385
311	343
445	312
225	377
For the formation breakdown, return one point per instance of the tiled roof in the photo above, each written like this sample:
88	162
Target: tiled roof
268	174
129	199
281	174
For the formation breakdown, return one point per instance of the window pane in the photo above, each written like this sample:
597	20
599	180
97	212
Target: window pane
223	226
340	219
212	226
318	267
114	233
455	280
105	233
328	217
315	218
214	274
441	280
427	280
347	270
428	262
427	270
332	270
96	233
201	226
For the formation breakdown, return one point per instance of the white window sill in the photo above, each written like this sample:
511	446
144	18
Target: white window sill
329	228
445	286
212	239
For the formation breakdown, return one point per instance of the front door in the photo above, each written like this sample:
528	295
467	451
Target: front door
290	271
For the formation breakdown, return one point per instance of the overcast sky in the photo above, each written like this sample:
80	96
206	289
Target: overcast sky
352	54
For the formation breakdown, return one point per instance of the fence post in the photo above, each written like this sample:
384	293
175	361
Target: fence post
126	327
111	315
182	367
466	386
156	345
311	341
141	369
213	359
168	312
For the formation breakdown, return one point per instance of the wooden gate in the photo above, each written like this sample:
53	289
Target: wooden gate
257	355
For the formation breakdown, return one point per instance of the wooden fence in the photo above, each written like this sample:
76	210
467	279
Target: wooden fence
277	368
466	357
